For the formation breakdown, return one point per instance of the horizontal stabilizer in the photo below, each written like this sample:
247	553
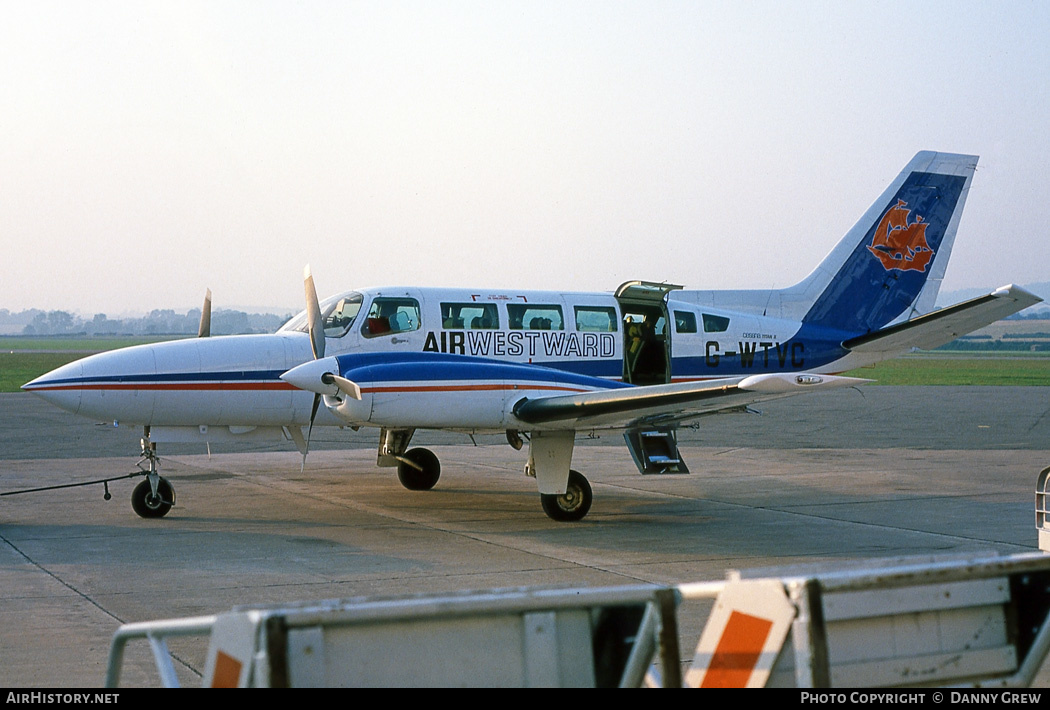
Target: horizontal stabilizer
945	325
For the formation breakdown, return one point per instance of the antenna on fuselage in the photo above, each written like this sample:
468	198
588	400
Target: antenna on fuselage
765	309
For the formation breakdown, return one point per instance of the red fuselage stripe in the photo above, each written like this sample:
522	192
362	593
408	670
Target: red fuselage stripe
284	386
202	386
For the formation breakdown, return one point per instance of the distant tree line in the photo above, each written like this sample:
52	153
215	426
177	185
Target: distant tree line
1031	313
157	322
1032	346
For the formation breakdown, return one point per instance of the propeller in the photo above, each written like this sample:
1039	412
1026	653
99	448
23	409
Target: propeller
204	329
313	315
317	376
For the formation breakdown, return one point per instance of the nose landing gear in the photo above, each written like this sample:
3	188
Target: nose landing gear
153	505
153	497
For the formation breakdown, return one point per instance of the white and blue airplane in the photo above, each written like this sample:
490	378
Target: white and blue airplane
544	366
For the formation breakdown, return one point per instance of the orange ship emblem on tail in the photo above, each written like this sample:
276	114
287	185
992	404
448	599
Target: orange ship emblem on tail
899	244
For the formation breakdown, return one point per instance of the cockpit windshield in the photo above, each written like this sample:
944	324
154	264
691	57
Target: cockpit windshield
337	314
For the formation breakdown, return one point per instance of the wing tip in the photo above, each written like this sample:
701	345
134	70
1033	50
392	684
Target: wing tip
1017	293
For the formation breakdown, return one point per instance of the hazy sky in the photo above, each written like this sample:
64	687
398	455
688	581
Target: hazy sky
149	150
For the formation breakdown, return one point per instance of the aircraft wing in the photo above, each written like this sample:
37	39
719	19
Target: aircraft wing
945	325
665	404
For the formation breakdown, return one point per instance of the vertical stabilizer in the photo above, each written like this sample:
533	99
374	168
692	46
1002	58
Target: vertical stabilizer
889	266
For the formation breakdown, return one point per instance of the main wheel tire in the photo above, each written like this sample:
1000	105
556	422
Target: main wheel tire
571	505
414	479
148	505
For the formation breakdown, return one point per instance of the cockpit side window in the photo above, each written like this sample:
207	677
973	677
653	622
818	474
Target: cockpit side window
715	324
337	314
338	320
529	316
391	315
470	316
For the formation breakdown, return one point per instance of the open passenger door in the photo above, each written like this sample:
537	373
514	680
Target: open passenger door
647	361
647	337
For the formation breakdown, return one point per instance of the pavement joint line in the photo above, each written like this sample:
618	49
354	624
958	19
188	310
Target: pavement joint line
876	526
483	538
175	657
423	524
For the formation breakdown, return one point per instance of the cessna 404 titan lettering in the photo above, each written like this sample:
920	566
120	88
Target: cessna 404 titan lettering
542	366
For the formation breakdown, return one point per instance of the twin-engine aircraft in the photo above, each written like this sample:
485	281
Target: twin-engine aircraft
543	366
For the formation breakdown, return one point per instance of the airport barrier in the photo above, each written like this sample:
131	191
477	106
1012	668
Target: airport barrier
963	621
504	637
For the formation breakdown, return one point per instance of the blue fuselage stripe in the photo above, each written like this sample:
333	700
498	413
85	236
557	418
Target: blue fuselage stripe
811	347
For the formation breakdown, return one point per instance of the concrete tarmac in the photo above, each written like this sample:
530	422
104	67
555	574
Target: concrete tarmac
834	477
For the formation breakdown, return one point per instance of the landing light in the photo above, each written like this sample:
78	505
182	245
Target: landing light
808	380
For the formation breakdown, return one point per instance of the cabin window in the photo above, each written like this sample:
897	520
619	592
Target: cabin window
469	316
391	315
528	316
715	324
596	319
684	322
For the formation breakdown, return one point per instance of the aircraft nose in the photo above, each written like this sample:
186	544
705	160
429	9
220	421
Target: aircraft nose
60	387
104	386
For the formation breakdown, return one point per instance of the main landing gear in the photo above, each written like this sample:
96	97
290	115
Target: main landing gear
573	504
564	494
569	494
153	497
418	470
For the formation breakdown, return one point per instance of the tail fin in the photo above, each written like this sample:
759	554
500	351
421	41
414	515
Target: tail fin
890	264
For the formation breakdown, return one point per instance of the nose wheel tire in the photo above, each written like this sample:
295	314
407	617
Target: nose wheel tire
573	504
147	505
425	476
